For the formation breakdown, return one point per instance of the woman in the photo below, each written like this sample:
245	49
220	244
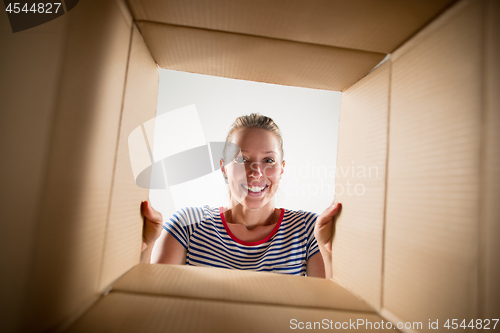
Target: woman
250	233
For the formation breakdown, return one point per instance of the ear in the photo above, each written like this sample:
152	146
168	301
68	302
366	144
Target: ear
221	163
282	167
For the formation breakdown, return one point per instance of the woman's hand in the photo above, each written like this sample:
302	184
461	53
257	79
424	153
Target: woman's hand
321	265
323	230
153	222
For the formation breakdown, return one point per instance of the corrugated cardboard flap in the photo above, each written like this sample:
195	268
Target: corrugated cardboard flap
375	26
122	313
253	58
314	44
160	298
238	286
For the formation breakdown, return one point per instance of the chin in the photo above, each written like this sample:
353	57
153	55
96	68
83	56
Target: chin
253	203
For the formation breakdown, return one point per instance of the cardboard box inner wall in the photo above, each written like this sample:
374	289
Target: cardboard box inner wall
489	288
433	246
433	190
355	25
71	142
73	211
26	121
360	185
124	229
419	244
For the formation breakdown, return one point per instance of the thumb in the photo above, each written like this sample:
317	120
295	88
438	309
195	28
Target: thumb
151	214
334	209
328	214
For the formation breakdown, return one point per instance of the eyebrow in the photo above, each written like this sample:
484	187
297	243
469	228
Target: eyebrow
265	152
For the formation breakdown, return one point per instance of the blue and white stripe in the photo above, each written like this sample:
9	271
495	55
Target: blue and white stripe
201	231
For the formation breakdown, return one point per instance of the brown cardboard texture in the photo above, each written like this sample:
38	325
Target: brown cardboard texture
419	244
130	312
25	139
489	287
356	24
431	244
123	234
360	183
225	285
254	58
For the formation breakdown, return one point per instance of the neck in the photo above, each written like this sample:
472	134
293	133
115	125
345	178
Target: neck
252	218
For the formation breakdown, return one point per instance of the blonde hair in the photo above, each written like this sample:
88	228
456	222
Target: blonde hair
255	120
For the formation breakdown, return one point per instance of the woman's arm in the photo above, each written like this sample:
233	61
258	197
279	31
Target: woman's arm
321	265
315	266
158	246
168	250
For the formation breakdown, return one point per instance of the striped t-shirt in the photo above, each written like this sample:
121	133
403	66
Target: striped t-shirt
209	242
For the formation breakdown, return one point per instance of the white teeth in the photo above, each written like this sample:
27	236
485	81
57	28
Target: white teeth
254	188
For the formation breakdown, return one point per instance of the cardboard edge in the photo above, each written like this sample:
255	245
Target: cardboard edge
355	294
71	320
386	185
140	22
387	59
127	13
136	8
263	303
389	316
110	199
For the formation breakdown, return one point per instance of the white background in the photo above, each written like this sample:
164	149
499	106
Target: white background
307	118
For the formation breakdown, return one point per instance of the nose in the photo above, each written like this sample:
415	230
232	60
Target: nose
255	170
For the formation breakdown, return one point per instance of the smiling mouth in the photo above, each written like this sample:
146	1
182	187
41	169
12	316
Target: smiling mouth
255	189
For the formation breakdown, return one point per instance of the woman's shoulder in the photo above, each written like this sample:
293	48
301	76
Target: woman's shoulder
303	215
300	216
197	214
301	219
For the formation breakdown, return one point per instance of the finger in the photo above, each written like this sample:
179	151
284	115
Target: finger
327	216
150	213
334	209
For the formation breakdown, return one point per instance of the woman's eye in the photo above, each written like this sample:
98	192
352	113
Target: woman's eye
269	160
240	159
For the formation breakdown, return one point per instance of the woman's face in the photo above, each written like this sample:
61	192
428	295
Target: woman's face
255	173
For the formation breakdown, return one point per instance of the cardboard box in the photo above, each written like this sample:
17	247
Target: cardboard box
418	246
